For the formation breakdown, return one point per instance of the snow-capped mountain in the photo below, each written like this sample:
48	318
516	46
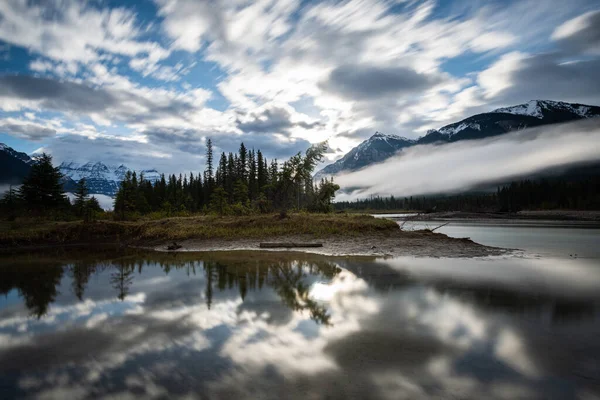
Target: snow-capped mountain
497	122
101	178
375	149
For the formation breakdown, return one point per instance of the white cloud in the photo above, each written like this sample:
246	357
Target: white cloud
433	169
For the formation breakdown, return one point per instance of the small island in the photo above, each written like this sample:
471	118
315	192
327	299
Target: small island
242	203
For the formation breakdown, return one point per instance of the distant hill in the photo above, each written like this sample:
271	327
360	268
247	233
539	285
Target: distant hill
380	146
100	178
14	165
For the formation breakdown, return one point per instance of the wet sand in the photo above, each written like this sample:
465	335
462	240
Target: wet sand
415	243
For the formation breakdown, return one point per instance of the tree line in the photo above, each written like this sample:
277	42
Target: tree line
241	183
42	194
543	194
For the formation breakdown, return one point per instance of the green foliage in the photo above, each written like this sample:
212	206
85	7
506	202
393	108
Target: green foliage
558	193
242	184
10	204
42	189
218	201
81	194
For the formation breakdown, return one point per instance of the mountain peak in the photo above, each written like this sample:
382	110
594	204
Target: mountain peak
537	108
379	136
498	122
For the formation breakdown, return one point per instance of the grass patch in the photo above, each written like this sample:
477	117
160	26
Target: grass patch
38	232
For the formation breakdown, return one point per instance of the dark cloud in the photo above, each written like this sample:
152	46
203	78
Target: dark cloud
75	97
587	37
361	81
547	77
29	132
56	95
273	120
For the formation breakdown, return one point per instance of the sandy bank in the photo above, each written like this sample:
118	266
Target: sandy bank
417	243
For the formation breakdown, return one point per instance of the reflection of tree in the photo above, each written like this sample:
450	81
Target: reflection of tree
81	273
121	279
286	277
288	283
35	283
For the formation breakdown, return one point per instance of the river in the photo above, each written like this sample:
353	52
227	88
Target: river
546	238
272	325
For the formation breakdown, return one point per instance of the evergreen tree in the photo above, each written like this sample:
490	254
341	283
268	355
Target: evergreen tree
42	188
81	193
261	172
209	159
10	203
242	167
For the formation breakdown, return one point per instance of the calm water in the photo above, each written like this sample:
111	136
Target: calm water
251	325
547	238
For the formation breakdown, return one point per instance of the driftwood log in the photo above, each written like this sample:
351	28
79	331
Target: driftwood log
174	246
274	245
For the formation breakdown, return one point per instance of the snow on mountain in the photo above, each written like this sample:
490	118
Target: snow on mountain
102	178
453	130
536	108
375	149
498	122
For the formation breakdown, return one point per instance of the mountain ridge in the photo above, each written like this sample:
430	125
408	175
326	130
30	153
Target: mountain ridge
496	122
100	178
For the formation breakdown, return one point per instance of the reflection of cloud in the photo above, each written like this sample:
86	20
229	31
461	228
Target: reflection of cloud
393	334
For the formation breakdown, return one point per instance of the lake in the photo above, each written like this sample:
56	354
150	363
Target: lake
274	325
547	238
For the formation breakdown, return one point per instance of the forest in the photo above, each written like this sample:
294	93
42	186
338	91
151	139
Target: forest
239	184
542	194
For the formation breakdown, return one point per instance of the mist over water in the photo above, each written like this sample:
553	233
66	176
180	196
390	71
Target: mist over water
434	169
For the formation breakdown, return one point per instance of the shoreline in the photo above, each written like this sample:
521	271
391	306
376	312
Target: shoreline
340	235
412	244
528	215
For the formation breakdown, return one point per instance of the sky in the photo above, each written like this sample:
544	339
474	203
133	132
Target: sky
433	169
145	82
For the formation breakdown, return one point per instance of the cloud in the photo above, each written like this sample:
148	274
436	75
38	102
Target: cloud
73	31
463	165
580	34
518	77
32	132
131	105
56	95
362	81
274	119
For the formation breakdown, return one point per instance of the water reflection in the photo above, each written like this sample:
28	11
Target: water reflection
276	325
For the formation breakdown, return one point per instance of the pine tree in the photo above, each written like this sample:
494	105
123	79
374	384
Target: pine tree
81	193
252	178
242	167
261	172
42	188
209	159
10	203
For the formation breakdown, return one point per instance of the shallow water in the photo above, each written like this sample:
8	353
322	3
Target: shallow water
257	325
547	238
